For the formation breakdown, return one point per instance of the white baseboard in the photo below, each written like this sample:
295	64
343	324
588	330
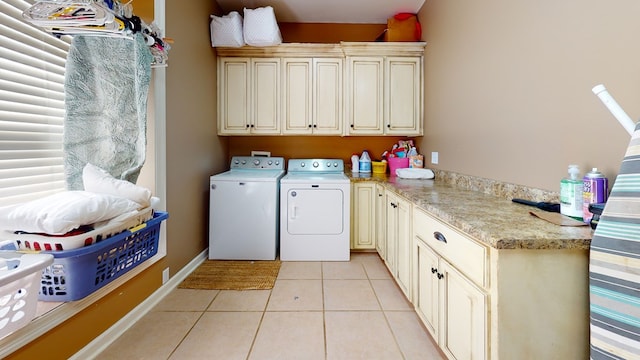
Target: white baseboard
105	339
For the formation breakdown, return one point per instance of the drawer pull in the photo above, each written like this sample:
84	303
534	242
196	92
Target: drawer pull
434	270
438	236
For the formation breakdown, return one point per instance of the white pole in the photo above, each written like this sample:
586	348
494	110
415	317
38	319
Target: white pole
614	108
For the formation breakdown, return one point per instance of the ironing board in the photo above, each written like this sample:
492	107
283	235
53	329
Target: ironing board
614	266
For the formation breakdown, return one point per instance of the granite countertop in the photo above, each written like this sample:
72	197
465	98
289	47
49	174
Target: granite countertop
483	209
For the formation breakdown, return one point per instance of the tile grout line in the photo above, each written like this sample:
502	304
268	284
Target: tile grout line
193	326
264	311
384	312
324	312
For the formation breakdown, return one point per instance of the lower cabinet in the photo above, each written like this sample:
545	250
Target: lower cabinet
363	216
478	302
398	244
380	220
452	307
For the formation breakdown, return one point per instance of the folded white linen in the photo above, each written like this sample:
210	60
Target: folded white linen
98	180
62	212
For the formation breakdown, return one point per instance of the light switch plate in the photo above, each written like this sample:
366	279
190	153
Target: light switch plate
434	157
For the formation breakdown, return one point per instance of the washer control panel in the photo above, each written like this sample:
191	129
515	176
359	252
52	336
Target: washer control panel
257	162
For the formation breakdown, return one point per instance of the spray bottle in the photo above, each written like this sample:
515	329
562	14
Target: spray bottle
571	194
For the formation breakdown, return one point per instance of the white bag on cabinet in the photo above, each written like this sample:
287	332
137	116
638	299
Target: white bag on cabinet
261	27
227	30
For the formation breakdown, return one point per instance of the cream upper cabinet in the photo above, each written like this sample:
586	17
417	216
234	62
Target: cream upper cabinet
403	96
351	88
363	215
384	85
234	92
365	91
248	96
297	95
265	96
328	96
312	96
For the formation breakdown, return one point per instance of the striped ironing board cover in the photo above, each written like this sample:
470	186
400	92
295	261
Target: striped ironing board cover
614	266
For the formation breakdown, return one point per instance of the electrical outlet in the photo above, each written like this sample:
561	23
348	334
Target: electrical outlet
434	157
165	276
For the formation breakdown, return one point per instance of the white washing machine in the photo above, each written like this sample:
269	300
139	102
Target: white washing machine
315	210
244	209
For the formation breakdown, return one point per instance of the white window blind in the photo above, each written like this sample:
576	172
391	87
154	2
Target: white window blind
32	65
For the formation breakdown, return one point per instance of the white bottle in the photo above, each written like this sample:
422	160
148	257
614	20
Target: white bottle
355	163
365	162
571	194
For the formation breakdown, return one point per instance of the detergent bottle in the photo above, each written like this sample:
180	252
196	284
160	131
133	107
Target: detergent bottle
365	162
355	163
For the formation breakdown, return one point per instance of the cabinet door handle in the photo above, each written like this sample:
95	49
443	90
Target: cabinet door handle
440	276
315	126
389	126
434	270
247	126
438	236
309	125
352	126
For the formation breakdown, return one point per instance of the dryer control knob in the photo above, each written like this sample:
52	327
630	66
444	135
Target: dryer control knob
335	164
256	162
328	164
315	164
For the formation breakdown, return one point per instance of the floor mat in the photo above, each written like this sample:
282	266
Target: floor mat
233	275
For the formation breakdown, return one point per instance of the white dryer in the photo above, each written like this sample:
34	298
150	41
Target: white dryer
315	210
244	209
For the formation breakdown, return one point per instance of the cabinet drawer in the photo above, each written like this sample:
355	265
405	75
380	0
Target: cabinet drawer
463	253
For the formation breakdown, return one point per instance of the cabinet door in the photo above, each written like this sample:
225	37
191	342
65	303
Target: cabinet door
463	332
265	96
380	222
297	95
327	97
403	96
426	299
403	247
363	216
365	95
233	96
392	231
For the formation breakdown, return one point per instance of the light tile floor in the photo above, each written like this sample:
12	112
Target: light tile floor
316	310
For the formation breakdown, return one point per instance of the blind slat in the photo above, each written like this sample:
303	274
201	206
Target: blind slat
32	109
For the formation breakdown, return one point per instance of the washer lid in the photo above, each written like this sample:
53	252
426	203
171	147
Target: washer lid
249	175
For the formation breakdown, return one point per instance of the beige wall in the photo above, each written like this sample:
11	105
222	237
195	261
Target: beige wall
194	151
508	86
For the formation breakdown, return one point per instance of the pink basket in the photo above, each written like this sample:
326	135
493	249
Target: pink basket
397	163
